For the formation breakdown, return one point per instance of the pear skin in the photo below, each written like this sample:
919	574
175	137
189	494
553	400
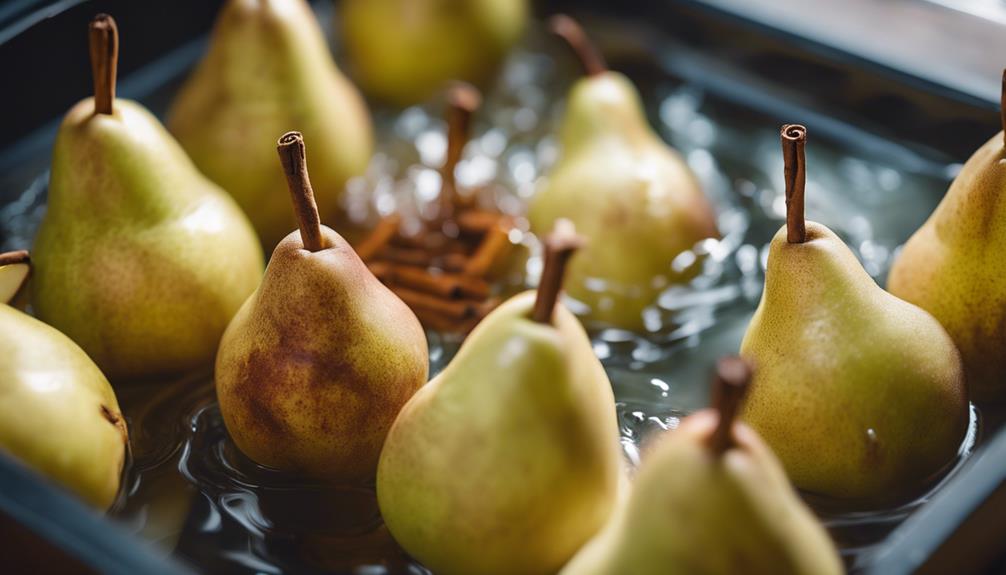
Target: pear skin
314	368
140	259
405	51
860	394
953	268
628	193
694	512
58	413
508	460
269	69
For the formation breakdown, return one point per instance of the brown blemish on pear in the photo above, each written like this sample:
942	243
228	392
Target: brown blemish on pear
115	418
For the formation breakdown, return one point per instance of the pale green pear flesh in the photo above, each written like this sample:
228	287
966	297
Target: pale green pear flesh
140	259
953	267
434	42
695	512
12	279
860	394
58	414
317	363
628	193
508	460
268	71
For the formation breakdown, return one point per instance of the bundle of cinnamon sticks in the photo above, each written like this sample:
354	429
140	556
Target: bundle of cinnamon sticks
443	278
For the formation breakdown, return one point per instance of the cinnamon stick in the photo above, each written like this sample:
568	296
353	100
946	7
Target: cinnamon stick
456	309
794	137
453	262
406	256
462	102
103	36
382	233
294	159
478	222
560	245
494	244
730	384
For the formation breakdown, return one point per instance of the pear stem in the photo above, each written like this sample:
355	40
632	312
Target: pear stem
104	48
794	137
730	385
560	245
294	159
1002	106
462	101
570	30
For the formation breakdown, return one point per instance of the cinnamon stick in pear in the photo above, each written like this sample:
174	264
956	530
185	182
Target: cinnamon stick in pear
294	159
794	138
730	384
560	245
462	102
104	49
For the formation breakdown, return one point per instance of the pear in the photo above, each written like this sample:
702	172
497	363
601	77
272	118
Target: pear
269	68
623	188
58	414
953	268
860	394
317	363
140	259
405	51
710	498
508	460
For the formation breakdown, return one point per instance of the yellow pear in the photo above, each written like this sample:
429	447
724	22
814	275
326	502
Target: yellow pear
268	70
404	51
58	414
860	394
508	460
710	498
953	267
317	363
140	259
625	190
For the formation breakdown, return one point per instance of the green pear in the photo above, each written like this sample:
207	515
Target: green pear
140	259
317	363
625	189
953	268
860	394
711	499
268	69
404	51
58	414
508	460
